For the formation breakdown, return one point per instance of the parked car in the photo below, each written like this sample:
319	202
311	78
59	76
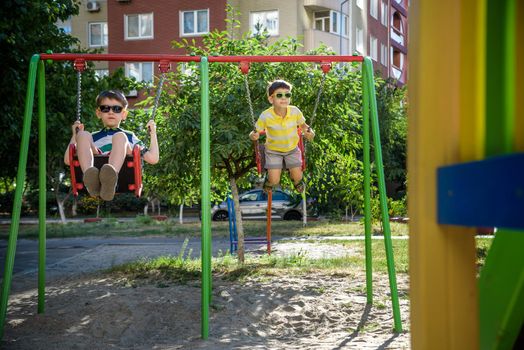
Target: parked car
254	204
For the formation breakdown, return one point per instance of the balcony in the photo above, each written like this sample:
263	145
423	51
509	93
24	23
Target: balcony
318	5
397	36
312	38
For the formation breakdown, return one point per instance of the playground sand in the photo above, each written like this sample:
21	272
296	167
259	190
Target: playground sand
99	311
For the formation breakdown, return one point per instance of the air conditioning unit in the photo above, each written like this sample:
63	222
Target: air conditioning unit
93	6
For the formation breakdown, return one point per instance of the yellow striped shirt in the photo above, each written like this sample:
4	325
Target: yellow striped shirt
281	133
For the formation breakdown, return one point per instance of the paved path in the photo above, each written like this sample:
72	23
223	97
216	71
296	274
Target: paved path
64	251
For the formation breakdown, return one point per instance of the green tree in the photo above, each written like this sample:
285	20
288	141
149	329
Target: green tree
392	112
29	27
331	156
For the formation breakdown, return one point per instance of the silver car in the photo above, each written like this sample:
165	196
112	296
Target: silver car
254	204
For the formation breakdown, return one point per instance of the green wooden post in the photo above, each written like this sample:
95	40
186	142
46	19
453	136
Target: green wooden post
368	67
206	199
42	192
367	187
20	180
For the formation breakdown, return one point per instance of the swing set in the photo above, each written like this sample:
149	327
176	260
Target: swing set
260	162
130	175
370	123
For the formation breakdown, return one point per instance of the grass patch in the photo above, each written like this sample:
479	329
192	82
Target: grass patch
145	226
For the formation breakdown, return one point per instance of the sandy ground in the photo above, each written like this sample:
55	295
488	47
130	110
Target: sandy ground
94	310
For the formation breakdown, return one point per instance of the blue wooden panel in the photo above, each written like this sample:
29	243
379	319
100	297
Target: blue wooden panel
487	193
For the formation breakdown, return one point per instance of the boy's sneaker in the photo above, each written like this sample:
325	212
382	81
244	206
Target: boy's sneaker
300	186
108	180
91	181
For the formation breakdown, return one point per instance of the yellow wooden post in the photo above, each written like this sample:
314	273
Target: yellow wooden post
446	84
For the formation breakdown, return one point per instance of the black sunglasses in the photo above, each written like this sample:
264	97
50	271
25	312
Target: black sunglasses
282	95
106	108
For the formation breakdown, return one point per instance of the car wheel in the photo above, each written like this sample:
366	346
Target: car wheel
220	215
293	215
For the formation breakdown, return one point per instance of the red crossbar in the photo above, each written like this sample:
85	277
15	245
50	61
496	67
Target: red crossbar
118	57
298	58
184	58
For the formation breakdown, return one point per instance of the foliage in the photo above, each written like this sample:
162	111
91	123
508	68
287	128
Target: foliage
333	171
27	27
392	112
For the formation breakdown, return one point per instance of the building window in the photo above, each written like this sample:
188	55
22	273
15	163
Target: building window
397	63
373	8
360	4
194	22
383	55
373	48
345	25
384	14
100	73
64	25
141	71
139	26
262	21
97	34
360	40
329	21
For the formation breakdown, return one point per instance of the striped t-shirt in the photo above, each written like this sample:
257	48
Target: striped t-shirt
281	133
103	139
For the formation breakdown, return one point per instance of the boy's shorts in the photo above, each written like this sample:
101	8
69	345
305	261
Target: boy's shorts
283	160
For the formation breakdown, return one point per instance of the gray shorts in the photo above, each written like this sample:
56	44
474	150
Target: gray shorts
283	160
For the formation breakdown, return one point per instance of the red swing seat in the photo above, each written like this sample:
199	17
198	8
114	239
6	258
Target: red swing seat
129	177
260	151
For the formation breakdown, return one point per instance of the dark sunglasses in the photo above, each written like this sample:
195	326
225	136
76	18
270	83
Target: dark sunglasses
106	108
282	95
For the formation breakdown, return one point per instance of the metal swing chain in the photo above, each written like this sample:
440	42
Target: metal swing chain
249	102
158	94
78	95
321	88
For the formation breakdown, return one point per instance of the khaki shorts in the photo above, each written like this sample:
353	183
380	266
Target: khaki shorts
283	160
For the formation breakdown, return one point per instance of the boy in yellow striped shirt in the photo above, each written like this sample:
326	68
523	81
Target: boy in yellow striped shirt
280	122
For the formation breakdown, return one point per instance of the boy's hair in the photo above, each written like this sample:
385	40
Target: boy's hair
278	84
113	95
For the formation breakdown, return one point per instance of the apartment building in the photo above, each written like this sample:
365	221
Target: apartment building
90	28
375	28
150	27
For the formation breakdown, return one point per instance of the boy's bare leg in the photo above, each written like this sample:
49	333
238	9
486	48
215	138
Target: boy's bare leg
84	146
273	177
84	151
118	151
295	174
296	177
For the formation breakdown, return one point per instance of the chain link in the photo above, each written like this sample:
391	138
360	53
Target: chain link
320	89
158	94
249	102
78	95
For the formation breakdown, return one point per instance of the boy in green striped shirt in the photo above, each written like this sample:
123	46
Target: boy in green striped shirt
111	140
280	122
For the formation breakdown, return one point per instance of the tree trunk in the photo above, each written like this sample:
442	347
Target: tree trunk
61	210
181	214
60	204
74	207
240	225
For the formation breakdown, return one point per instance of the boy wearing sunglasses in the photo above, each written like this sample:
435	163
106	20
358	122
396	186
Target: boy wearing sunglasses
112	140
280	122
